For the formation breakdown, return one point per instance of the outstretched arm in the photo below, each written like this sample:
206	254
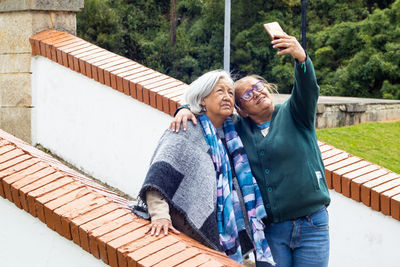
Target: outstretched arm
182	117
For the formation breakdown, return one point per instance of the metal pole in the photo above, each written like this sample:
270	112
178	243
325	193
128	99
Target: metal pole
303	23
227	35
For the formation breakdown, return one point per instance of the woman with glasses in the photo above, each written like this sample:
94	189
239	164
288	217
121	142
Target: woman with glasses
281	145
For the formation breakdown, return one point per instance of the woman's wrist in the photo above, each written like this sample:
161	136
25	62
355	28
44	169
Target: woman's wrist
181	107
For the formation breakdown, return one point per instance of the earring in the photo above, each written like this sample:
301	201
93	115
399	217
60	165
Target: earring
203	109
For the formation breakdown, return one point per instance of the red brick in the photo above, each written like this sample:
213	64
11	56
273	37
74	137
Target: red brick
335	159
158	256
386	198
82	61
7	181
331	153
165	95
348	177
56	51
122	76
130	248
174	103
366	187
75	208
150	86
13	162
148	250
333	167
48	43
355	186
6	148
337	175
85	229
76	59
325	147
113	245
139	89
132	79
107	71
377	191
101	69
11	155
74	47
146	93
96	213
395	207
179	258
155	91
66	198
35	185
211	263
14	169
35	40
196	261
100	245
95	66
115	73
26	181
53	186
41	42
50	48
91	72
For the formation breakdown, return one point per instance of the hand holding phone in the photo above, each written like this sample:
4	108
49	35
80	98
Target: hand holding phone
273	29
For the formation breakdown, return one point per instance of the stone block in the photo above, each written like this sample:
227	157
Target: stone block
16	121
58	5
15	30
10	63
15	90
17	27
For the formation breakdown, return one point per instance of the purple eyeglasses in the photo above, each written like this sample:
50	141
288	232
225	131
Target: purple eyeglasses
249	94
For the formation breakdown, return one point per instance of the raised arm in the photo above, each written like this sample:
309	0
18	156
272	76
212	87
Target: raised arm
303	101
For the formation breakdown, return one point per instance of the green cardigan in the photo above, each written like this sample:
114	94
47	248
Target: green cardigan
287	163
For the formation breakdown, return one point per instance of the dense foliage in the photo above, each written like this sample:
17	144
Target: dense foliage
355	44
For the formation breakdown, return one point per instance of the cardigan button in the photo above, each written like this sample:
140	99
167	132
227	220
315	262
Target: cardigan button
270	189
262	153
267	171
268	206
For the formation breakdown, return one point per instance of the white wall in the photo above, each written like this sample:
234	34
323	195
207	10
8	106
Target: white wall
360	236
101	131
26	241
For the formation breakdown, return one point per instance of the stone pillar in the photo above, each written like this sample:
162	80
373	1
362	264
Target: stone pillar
19	20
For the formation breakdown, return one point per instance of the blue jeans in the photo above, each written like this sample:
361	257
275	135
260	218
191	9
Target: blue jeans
301	242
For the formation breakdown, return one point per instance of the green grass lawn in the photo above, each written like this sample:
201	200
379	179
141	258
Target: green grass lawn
377	142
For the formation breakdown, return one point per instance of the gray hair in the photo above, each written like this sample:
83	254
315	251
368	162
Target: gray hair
202	87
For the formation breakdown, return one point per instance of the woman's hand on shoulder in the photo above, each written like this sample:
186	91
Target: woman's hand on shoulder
182	117
161	225
289	45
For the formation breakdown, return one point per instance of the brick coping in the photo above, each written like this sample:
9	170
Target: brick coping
90	215
362	181
122	74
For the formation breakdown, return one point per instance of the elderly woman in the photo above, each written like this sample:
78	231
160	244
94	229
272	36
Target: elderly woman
281	144
200	182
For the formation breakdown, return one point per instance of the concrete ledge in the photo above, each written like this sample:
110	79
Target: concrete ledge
333	111
59	5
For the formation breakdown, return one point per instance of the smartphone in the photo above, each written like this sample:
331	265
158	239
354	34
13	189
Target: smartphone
273	28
